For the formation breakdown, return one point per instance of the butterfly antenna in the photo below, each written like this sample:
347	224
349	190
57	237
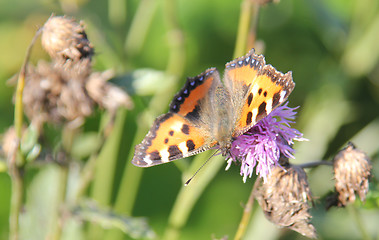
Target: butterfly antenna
189	180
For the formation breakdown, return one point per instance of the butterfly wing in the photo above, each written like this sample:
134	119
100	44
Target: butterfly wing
256	89
184	130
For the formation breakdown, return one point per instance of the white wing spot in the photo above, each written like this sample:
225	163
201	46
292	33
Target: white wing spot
177	126
148	160
183	147
164	155
282	95
255	89
269	106
254	117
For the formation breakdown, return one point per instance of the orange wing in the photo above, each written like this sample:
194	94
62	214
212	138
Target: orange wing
256	89
181	132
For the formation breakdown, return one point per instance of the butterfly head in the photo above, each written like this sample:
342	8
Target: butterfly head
225	147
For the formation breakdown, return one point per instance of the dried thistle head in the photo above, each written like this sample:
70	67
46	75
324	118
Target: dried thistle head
106	94
284	199
352	169
55	94
66	89
65	39
9	143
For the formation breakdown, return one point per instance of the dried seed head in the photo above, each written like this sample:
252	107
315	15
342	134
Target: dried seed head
9	143
64	39
59	94
352	168
66	90
106	94
284	199
55	94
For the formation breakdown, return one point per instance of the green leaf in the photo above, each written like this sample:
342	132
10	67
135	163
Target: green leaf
145	82
85	144
41	205
3	165
33	153
29	144
135	227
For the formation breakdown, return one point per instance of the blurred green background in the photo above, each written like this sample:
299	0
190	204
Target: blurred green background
330	46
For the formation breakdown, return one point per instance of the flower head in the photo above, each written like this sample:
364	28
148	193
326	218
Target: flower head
66	90
352	169
65	39
262	145
285	199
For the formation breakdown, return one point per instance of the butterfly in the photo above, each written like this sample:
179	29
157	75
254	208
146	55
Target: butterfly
206	113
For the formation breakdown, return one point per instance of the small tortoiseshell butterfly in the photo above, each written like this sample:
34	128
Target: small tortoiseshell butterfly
205	113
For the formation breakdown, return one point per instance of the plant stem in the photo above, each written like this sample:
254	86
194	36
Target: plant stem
176	61
243	28
188	195
247	27
16	202
117	12
140	26
17	160
90	166
253	25
63	158
358	220
58	221
315	164
130	182
106	164
246	213
128	189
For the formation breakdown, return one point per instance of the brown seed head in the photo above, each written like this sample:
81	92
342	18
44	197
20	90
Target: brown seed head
64	39
55	94
284	199
106	94
9	142
66	90
352	169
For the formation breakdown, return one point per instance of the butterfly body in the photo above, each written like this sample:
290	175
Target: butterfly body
207	113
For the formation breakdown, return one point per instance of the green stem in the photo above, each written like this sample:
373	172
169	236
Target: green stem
16	202
247	27
106	163
68	135
17	161
253	25
188	195
243	28
358	220
90	166
246	213
117	12
129	186
130	182
140	26
315	164
176	61
58	221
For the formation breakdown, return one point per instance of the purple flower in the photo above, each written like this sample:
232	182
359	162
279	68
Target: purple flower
262	145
